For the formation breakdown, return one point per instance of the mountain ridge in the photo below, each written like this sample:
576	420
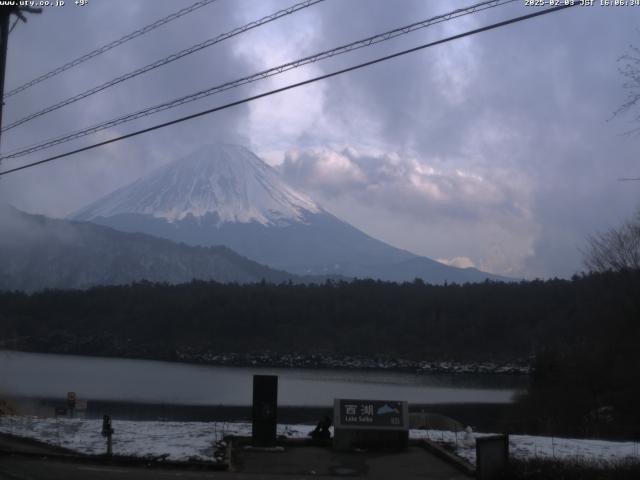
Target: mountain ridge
37	252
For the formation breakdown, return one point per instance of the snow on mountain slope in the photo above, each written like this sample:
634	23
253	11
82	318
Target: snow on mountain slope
224	180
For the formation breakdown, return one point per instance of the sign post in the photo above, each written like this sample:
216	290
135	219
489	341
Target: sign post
370	424
108	431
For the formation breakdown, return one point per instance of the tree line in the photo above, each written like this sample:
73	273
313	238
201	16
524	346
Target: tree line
471	322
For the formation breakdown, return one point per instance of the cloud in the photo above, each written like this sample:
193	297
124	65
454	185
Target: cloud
52	38
514	154
460	262
414	187
427	206
494	148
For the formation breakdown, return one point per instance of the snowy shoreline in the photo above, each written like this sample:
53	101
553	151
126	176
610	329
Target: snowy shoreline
196	441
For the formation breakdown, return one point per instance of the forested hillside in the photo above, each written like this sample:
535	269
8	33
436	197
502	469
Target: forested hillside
488	321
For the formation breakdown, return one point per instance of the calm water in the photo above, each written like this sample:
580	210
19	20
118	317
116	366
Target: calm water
97	378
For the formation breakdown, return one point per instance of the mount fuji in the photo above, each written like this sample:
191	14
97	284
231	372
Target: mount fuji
224	194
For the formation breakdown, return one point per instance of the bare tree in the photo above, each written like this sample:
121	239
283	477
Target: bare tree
617	249
629	68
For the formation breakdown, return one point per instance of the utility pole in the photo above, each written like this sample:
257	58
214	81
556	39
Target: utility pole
5	17
5	13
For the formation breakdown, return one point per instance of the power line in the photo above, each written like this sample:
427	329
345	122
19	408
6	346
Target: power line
259	76
292	86
166	60
239	30
109	46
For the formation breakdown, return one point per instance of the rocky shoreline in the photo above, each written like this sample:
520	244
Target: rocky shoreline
299	360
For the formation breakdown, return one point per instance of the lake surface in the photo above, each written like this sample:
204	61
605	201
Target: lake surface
98	378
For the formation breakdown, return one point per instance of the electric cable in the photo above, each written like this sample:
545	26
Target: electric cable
164	61
109	46
256	76
294	85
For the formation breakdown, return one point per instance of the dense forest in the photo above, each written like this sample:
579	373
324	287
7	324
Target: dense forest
583	333
472	322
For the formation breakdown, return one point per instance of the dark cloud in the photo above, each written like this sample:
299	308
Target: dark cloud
494	149
441	203
410	186
524	107
62	34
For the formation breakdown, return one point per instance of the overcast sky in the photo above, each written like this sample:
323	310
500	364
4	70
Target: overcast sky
497	150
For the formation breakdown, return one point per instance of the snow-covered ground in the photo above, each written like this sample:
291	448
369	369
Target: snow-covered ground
180	440
528	447
196	440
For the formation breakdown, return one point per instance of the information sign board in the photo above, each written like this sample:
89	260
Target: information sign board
371	413
370	424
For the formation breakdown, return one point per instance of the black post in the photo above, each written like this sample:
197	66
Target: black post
107	431
265	410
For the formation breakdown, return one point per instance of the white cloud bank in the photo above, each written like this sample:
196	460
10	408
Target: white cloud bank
473	217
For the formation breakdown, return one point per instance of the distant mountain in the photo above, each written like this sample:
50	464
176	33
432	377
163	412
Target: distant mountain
225	195
37	252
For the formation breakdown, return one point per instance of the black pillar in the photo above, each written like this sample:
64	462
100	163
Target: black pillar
265	410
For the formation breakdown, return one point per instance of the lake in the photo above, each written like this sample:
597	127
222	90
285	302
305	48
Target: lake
146	381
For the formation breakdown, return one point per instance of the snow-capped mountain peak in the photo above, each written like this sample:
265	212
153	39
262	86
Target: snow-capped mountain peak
225	195
220	179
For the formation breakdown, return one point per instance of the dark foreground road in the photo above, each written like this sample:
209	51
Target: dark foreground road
20	468
23	468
